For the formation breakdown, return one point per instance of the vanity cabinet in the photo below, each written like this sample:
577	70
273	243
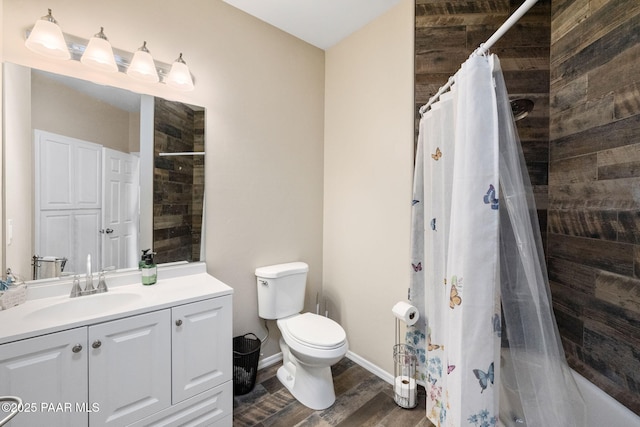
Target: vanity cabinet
165	367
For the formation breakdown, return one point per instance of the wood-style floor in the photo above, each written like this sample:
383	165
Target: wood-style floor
362	399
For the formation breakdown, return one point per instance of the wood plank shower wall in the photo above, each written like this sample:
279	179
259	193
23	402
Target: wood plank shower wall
447	32
578	60
594	190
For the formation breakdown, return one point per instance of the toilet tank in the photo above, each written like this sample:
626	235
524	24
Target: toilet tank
281	289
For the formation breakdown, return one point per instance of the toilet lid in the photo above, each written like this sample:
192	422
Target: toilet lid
316	331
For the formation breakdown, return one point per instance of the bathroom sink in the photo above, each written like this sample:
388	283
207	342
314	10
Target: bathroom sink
89	305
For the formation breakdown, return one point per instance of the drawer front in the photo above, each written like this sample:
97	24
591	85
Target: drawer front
211	408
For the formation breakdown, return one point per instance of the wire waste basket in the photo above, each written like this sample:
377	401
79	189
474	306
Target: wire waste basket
246	352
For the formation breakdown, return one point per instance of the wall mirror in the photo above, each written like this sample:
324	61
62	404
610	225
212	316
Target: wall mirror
93	169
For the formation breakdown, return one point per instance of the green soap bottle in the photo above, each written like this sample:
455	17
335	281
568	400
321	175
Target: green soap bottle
149	270
143	258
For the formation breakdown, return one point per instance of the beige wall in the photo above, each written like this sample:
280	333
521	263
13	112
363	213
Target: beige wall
263	92
19	171
368	179
271	186
59	109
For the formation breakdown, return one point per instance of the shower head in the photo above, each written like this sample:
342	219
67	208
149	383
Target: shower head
521	108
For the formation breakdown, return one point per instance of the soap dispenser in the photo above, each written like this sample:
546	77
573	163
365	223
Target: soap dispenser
143	258
149	270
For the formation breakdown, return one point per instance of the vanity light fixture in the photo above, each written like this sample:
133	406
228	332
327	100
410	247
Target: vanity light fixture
179	77
142	66
99	54
46	39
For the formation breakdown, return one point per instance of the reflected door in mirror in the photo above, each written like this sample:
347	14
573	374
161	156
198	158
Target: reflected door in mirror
121	211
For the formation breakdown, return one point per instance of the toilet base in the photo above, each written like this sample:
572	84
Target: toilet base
313	387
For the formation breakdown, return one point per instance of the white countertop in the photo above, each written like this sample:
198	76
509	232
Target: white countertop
176	285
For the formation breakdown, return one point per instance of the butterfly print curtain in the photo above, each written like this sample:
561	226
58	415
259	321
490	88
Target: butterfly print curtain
477	262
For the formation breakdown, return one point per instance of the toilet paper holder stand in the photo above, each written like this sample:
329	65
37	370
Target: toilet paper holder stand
404	370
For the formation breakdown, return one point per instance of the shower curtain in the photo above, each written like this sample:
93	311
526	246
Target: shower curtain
477	263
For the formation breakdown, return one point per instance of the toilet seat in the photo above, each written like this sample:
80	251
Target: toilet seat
315	331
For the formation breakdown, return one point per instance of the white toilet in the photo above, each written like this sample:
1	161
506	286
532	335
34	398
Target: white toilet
310	343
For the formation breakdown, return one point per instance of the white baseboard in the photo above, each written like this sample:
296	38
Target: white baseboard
268	361
374	369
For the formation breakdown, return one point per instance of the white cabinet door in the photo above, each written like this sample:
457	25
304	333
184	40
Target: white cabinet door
129	366
88	175
49	373
55	183
68	172
68	181
202	346
71	234
86	233
55	236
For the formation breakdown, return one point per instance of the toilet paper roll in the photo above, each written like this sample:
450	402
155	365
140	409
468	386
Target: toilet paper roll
405	390
406	312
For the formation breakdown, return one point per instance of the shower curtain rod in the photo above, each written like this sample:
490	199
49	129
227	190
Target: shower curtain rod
484	48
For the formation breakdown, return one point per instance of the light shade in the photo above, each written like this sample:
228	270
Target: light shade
99	54
179	77
46	39
142	66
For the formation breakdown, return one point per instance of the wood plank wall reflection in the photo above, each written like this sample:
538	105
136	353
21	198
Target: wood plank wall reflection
178	182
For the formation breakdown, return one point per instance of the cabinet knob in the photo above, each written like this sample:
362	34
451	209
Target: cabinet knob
96	344
179	322
76	348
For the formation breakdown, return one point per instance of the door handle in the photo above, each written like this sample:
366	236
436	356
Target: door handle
107	231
